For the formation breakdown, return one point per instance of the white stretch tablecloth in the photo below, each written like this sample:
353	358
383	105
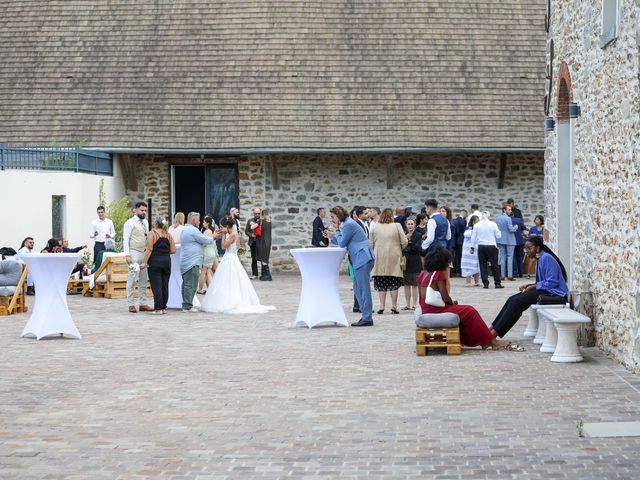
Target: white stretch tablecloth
175	283
50	315
319	295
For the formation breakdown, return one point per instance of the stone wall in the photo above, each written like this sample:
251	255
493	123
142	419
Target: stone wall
294	186
309	182
605	84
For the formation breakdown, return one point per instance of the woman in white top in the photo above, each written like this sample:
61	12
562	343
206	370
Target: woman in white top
231	290
483	239
175	230
469	264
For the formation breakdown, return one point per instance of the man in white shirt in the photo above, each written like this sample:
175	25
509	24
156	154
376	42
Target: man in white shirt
438	228
101	229
475	212
134	244
27	247
374	216
483	239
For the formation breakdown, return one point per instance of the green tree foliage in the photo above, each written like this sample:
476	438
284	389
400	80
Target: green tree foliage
102	197
119	212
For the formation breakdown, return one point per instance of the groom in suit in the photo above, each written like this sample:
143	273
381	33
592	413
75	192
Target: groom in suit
351	236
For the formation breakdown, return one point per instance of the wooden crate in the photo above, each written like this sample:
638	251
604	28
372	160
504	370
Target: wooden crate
427	338
116	270
16	303
74	286
116	285
19	305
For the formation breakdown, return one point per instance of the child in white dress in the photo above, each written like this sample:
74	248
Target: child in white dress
231	290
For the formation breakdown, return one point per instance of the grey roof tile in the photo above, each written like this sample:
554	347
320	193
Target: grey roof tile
446	73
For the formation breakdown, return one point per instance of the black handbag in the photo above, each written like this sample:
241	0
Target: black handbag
551	299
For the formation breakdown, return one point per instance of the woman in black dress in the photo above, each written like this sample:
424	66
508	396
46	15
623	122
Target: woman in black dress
263	245
413	263
157	258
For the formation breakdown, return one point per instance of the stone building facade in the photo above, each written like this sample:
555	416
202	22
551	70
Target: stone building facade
294	186
592	163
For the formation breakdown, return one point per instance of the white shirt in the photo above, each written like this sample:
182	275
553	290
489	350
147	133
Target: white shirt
102	227
475	213
431	232
366	227
25	250
485	233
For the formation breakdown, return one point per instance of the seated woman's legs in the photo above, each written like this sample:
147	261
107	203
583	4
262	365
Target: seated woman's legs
511	311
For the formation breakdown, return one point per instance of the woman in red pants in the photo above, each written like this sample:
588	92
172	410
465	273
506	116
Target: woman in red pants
473	330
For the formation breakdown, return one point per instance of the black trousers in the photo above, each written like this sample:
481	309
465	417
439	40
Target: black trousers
457	258
518	261
159	273
514	307
98	246
253	248
488	253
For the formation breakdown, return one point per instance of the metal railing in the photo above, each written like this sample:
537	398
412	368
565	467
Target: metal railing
71	159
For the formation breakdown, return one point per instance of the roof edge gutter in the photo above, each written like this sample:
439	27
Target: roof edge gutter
302	150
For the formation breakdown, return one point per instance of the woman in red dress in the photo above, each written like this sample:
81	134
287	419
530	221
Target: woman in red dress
473	330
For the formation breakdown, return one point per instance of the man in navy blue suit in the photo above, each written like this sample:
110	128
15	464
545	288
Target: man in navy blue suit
352	236
459	226
318	239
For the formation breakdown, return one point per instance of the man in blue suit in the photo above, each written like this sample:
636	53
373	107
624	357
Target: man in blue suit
438	228
506	242
351	236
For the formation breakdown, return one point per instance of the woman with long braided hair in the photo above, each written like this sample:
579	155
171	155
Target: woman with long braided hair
550	287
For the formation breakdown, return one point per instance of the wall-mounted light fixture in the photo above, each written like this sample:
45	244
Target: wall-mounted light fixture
574	110
549	124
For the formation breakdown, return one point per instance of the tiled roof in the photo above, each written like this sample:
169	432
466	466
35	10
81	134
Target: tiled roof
237	73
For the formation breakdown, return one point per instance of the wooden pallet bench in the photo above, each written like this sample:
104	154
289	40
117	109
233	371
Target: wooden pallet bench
74	286
428	338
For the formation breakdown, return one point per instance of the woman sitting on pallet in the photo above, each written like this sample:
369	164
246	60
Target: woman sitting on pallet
550	287
473	330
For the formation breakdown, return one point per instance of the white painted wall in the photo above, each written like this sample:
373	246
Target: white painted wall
25	204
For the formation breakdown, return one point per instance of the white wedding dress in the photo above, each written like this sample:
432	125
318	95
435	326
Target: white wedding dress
231	290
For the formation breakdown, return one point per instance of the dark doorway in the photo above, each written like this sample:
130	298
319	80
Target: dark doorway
222	190
188	189
208	189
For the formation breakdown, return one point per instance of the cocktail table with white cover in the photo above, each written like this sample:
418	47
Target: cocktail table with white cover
175	283
50	272
319	294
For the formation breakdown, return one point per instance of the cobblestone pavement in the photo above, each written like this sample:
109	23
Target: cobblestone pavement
195	395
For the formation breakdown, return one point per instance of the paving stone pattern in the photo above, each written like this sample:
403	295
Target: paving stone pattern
203	396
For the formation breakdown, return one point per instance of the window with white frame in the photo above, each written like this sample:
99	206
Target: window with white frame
609	22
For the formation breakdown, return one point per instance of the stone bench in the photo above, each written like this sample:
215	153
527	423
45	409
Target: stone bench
541	326
566	323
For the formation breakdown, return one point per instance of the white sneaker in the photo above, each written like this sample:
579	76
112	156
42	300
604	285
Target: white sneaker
253	277
192	310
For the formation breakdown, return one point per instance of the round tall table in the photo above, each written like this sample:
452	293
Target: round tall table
50	272
319	295
175	283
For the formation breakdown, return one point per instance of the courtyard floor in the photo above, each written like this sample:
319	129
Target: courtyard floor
203	396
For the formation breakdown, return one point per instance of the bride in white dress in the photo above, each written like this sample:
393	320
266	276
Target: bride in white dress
231	290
